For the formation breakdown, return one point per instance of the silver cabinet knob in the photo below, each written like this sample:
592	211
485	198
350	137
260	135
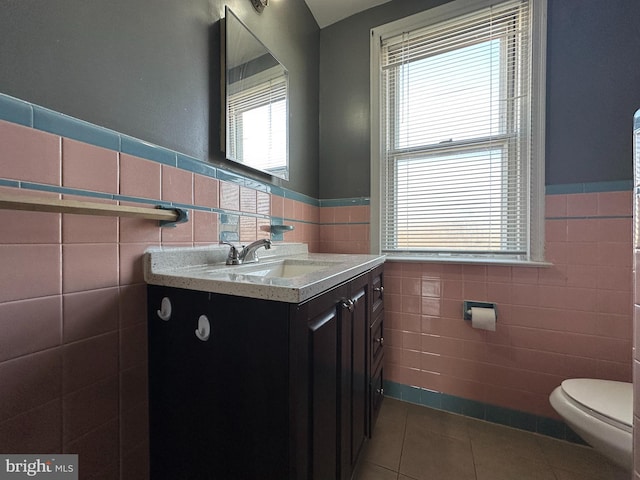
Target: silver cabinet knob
348	304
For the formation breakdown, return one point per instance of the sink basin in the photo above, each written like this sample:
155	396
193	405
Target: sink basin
285	273
287	268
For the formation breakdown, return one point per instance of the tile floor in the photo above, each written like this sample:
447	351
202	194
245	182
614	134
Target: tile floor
415	442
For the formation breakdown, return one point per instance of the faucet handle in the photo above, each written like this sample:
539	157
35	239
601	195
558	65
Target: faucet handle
234	257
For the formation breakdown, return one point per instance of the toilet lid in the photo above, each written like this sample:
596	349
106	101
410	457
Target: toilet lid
611	399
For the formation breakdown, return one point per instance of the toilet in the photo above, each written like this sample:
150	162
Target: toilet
601	412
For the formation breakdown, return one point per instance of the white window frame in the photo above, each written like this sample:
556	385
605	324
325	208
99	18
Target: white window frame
538	15
257	86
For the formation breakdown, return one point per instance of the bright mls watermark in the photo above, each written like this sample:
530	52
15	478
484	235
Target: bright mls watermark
50	467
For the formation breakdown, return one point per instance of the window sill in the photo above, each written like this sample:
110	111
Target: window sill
472	261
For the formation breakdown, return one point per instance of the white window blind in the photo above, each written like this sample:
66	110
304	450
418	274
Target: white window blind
455	134
256	124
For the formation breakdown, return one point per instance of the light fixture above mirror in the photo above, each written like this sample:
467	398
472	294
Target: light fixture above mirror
259	4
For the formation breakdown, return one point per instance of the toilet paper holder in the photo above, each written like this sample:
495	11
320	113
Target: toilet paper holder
467	304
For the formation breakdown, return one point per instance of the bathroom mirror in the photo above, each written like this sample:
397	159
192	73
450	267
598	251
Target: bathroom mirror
256	100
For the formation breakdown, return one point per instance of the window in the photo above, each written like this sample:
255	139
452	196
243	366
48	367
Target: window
257	122
457	133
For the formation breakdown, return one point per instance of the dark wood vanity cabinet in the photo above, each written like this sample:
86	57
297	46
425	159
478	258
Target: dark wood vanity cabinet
353	375
276	391
376	346
205	397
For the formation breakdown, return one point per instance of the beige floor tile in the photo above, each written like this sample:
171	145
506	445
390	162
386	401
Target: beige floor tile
371	471
492	440
437	421
578	459
562	474
427	444
394	410
385	447
429	456
512	467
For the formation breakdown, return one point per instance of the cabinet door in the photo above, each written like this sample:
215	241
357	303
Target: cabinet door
315	385
354	378
250	423
174	376
323	340
217	401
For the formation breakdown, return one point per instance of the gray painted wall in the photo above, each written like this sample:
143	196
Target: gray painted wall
151	69
344	97
593	89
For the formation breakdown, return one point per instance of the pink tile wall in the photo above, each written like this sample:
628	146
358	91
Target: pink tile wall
73	311
344	229
569	320
73	362
303	217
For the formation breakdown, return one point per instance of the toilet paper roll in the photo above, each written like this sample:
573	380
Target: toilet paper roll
483	318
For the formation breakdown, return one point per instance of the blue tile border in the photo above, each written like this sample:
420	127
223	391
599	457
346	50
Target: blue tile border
564	189
277	190
69	127
9	183
482	411
65	190
196	166
261	187
27	114
24	113
16	111
590	217
429	398
230	177
497	415
614	186
524	421
138	148
593	187
124	198
146	201
344	202
301	197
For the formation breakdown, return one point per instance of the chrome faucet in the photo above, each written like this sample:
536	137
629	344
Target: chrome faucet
247	254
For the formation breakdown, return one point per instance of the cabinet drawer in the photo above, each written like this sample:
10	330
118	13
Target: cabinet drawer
377	339
377	293
377	393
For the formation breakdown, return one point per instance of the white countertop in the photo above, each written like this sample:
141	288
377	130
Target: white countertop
204	269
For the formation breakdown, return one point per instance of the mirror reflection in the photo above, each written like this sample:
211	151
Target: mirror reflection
256	102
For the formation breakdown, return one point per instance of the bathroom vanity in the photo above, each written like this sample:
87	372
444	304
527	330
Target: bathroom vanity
279	377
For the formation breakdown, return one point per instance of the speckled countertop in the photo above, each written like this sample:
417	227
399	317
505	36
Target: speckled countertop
204	269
